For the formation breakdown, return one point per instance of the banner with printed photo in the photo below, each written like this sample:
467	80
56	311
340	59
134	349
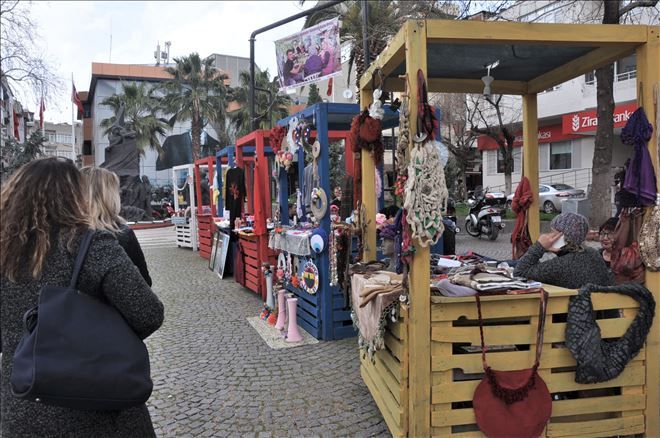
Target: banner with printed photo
309	56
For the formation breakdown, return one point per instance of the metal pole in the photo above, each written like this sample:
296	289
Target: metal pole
267	28
365	34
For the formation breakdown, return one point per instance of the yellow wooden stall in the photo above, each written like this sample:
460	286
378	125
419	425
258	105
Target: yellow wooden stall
423	378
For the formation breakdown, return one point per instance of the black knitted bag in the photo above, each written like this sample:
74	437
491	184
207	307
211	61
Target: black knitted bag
601	360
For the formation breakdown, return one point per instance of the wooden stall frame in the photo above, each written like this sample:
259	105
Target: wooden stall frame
606	44
189	231
253	148
333	322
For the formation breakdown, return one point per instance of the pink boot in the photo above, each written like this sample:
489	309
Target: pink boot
293	335
281	309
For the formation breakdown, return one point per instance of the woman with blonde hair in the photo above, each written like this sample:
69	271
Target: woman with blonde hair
44	214
105	205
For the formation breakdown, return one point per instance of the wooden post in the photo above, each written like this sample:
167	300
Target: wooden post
419	350
648	77
368	189
531	160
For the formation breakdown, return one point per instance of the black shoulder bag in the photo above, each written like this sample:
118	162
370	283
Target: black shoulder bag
79	352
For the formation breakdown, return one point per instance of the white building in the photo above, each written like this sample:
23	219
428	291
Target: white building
58	139
107	80
567	113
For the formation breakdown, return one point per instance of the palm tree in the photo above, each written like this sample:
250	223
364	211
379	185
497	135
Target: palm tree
269	108
141	107
198	93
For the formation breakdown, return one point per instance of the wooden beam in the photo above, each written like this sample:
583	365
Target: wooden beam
531	161
499	32
388	60
648	77
475	86
369	198
456	85
584	64
419	405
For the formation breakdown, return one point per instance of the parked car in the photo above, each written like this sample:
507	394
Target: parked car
552	196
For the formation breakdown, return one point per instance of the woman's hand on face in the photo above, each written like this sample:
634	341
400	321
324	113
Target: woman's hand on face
548	239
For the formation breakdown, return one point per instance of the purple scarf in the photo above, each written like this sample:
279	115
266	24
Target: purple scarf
640	177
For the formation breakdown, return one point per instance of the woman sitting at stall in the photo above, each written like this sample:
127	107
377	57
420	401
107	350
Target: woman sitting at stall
606	237
574	265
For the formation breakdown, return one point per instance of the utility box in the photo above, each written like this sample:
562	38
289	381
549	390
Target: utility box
580	206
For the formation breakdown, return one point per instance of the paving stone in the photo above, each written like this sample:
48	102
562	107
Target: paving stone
214	376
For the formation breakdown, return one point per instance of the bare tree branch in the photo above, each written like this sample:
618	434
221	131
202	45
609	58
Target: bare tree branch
636	4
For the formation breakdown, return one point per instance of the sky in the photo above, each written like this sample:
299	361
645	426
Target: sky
75	34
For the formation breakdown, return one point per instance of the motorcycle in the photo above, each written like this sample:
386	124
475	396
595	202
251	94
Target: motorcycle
485	216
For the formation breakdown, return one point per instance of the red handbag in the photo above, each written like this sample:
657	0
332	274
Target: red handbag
512	404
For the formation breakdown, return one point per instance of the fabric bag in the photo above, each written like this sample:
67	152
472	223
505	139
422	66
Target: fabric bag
600	360
513	403
78	352
627	263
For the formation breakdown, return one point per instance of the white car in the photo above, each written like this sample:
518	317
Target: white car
552	196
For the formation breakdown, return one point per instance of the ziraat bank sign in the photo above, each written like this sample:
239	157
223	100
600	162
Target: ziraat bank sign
587	121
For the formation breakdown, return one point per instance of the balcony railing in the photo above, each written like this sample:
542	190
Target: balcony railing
618	77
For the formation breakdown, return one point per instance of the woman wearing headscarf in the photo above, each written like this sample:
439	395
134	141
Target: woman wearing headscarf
574	265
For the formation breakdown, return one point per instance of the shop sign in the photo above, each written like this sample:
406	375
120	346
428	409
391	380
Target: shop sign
547	134
587	121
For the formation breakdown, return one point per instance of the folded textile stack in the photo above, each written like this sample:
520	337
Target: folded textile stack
484	280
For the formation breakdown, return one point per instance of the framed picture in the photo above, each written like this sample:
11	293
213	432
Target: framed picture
221	253
214	249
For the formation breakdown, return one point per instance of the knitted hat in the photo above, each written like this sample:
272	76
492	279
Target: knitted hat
574	226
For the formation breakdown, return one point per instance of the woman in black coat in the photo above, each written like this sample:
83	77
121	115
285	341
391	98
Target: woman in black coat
105	204
44	215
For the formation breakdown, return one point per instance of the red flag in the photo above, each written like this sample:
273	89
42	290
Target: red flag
42	109
75	98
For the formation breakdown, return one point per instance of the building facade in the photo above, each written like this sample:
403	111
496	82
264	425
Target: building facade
567	113
58	140
107	80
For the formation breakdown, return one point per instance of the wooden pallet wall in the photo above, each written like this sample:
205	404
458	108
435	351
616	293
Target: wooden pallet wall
387	376
595	410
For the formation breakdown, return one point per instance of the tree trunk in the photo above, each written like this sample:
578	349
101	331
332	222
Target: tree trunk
196	128
462	190
601	202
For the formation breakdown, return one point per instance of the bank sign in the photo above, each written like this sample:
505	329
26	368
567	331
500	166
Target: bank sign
584	122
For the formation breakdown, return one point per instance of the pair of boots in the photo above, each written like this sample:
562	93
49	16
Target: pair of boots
292	334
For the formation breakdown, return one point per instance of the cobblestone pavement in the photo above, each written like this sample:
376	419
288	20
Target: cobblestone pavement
214	376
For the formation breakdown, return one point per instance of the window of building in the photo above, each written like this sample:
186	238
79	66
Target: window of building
560	155
60	138
590	78
626	68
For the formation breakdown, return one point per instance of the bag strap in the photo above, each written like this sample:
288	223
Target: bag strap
539	330
85	240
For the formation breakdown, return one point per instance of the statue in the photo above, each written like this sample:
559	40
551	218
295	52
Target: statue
123	158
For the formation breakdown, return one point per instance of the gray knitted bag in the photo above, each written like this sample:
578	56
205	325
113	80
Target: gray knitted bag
600	360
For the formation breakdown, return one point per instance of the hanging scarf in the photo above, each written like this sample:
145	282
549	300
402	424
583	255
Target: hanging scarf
427	123
640	177
520	238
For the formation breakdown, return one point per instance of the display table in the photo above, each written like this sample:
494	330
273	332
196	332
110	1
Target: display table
510	322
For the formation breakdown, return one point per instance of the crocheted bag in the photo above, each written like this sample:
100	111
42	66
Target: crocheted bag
513	403
599	360
649	239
